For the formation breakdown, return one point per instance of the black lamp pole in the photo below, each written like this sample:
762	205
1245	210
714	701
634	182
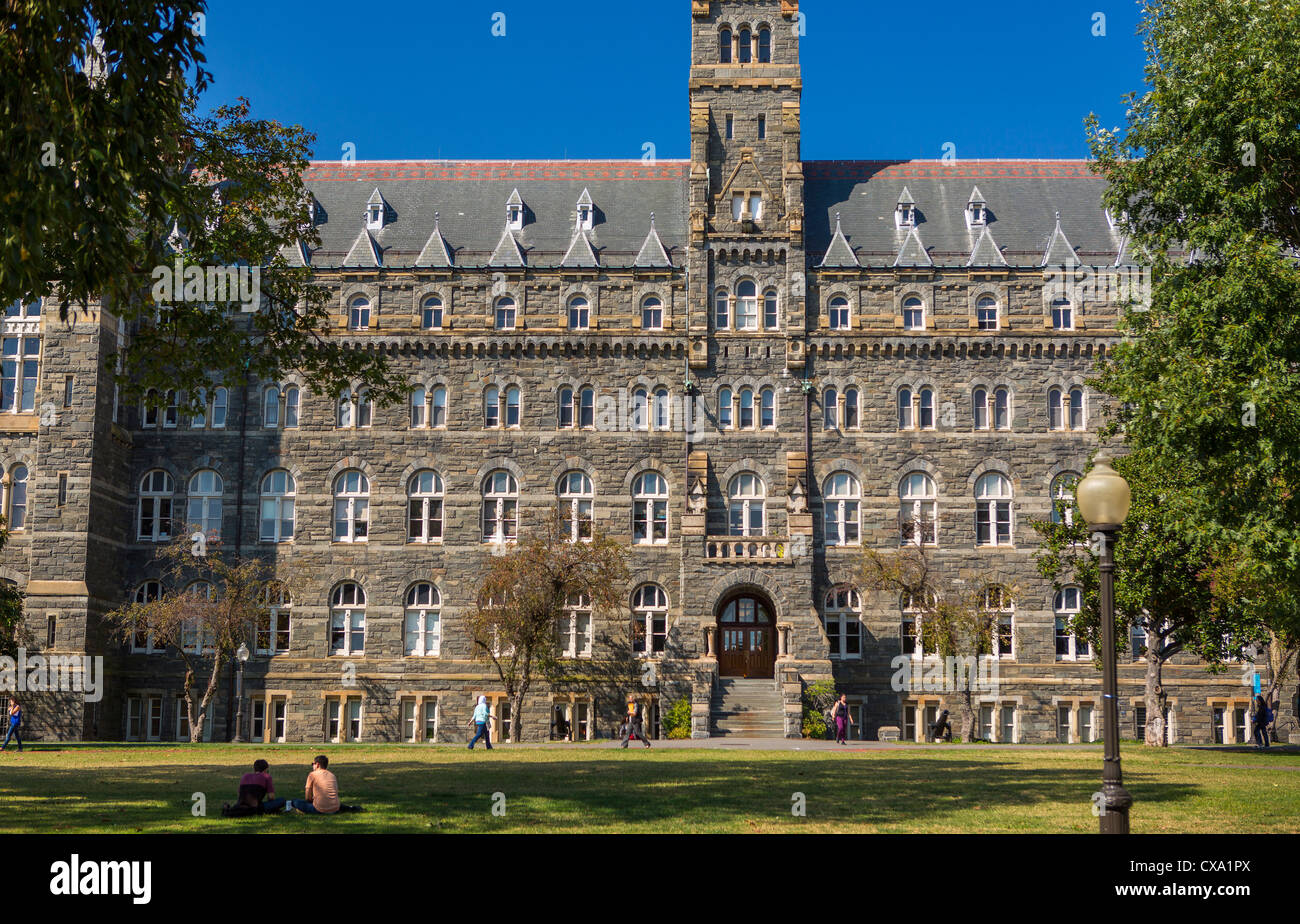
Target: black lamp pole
1116	800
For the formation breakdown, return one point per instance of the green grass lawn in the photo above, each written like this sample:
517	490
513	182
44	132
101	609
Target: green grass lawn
92	789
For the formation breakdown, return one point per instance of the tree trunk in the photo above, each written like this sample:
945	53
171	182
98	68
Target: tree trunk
198	713
516	713
1155	698
969	723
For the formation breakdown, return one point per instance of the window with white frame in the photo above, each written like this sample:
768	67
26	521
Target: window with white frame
142	640
652	313
271	407
831	409
1001	409
649	620
220	402
639	416
291	394
438	407
906	411
423	620
842	619
277	506
500	507
579	313
419	408
1001	611
576	502
649	509
204	510
918	510
274	621
914	607
359	313
986	313
155	509
841	505
16	498
200	418
838	313
348	619
1062	497
171	410
505	313
143	718
662	409
424	497
574	629
1070	646
501	407
980	408
925	409
767	408
1065	409
196	633
20	366
993	524
1062	314
913	314
351	507
771	310
722	310
726	420
746	505
747	305
343	716
431	313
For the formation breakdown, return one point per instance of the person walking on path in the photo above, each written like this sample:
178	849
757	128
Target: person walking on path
635	726
15	723
1263	719
840	714
482	724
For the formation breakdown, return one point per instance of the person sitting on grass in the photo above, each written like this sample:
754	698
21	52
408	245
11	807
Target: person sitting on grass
254	788
942	729
322	791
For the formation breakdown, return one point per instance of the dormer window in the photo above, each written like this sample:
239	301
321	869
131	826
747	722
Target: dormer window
375	212
905	215
515	212
586	212
977	213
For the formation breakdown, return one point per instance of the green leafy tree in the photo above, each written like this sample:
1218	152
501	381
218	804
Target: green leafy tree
1204	178
12	635
1169	580
523	598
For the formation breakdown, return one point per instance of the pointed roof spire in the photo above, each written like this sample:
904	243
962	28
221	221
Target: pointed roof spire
364	252
297	254
652	253
507	252
839	253
913	252
905	197
585	198
178	240
1059	251
580	252
986	251
976	197
435	252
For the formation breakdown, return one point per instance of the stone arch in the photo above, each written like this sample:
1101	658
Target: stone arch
746	579
750	464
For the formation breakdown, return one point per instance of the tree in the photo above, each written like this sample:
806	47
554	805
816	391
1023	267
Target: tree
1171	580
214	608
189	227
963	623
523	598
1204	178
12	634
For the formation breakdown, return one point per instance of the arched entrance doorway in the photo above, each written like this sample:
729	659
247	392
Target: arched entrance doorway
746	637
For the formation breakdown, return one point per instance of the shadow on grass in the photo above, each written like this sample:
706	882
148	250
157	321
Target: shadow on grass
626	791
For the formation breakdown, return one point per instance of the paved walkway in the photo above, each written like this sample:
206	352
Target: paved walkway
784	744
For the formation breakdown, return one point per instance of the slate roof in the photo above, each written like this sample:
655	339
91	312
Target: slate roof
470	200
1023	197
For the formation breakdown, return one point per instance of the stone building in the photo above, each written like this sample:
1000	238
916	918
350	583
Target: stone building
745	365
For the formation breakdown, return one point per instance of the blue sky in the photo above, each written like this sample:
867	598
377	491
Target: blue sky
409	79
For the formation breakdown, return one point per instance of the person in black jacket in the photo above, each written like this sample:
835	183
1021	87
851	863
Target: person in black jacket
942	728
1263	719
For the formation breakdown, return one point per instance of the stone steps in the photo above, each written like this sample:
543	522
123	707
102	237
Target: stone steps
747	709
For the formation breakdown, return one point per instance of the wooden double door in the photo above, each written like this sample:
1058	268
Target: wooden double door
746	638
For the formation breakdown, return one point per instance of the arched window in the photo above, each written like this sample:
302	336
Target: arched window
906	413
831	409
980	408
359	313
1069	645
652	313
649	509
841	504
746	409
271	406
423	620
913	314
649	620
155	512
770	313
291	406
1062	314
747	305
724	409
918	510
587	408
171	413
351	507
986	313
1059	405
492	407
274	621
500	507
424	494
746	514
1001	611
220	400
1076	408
576	501
640	418
993	510
764	45
200	418
142	641
1062	497
721	310
365	408
348	620
838	310
17	514
579	313
431	313
512	406
566	415
745	47
419	408
204	513
149	409
505	313
724	46
662	409
842	619
1001	409
438	408
851	419
767	408
346	416
927	409
277	507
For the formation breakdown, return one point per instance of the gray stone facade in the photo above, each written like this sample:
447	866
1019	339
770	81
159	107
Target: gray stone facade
824	231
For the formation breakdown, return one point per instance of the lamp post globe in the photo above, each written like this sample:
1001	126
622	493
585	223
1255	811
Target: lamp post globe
1104	498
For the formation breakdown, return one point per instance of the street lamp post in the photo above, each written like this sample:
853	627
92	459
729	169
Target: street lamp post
1104	498
241	655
